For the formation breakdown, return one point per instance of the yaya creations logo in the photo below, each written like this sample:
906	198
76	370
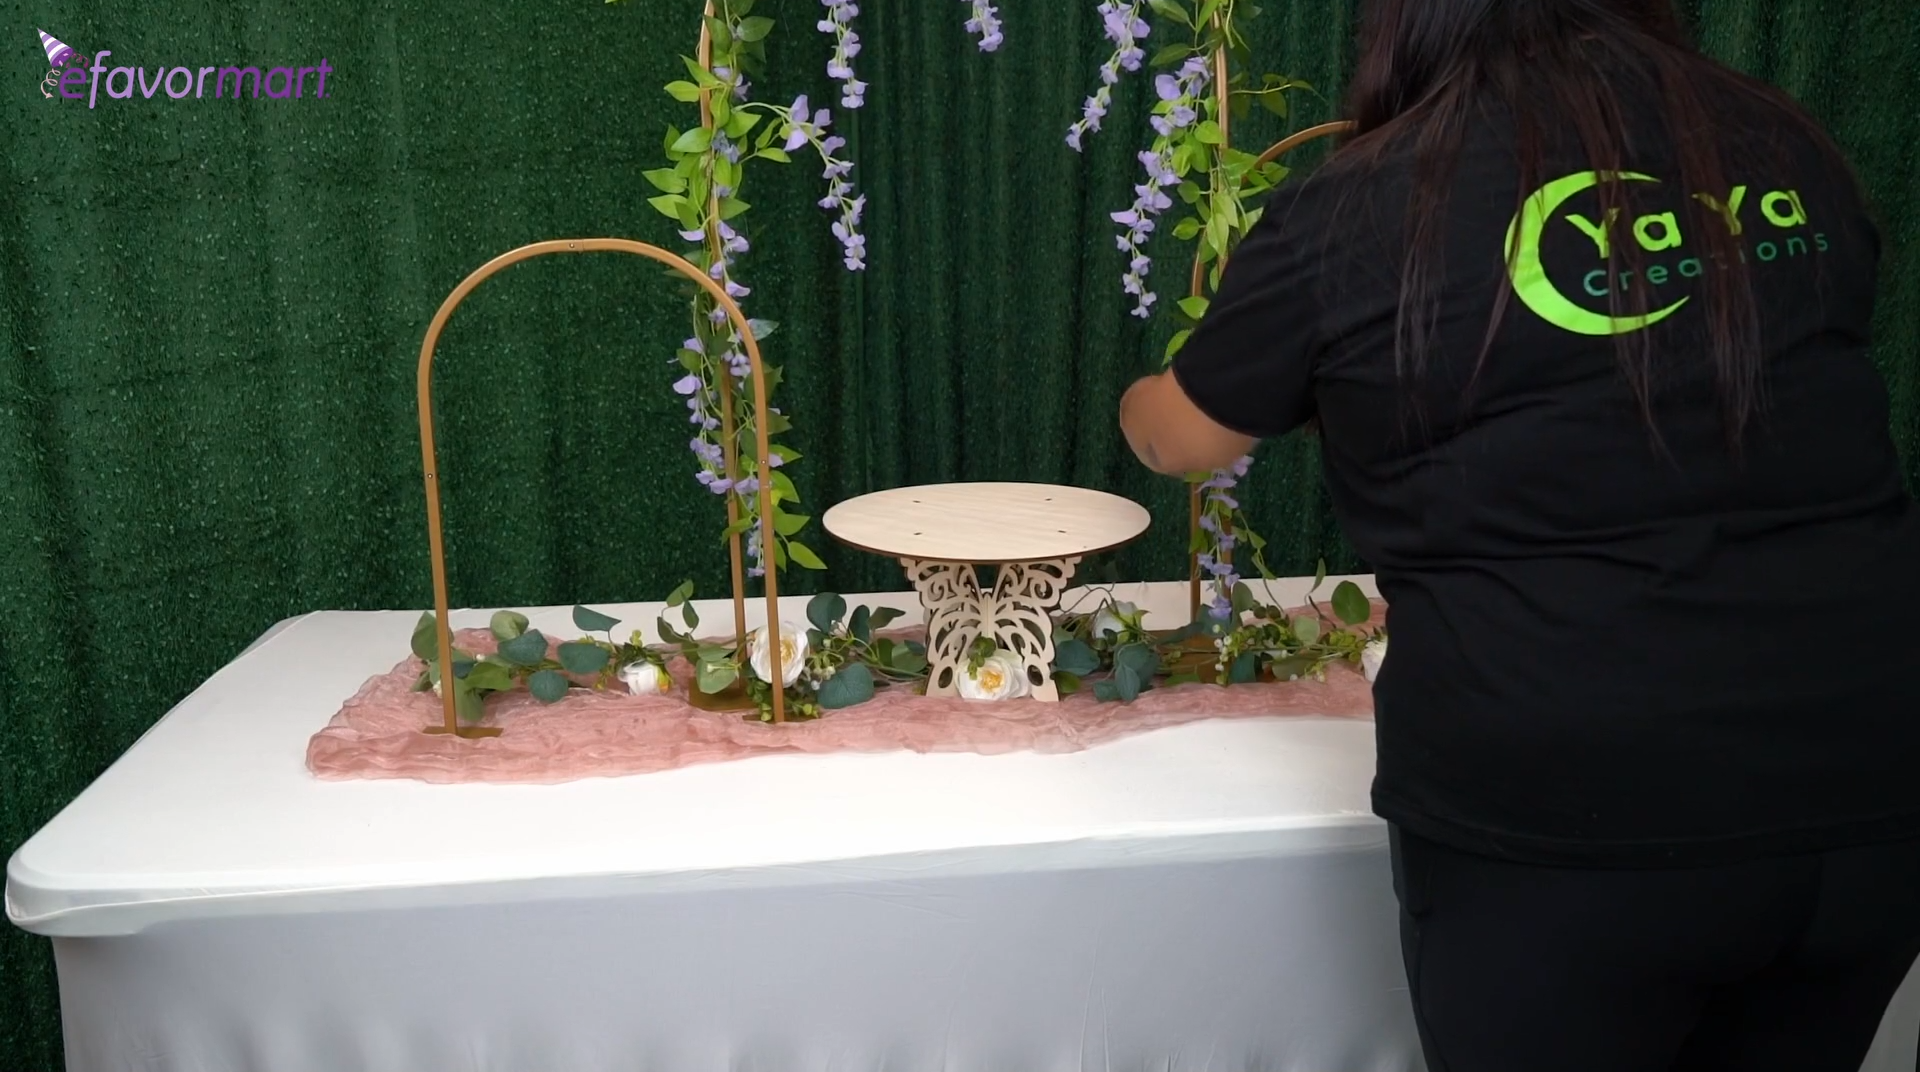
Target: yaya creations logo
1786	236
73	76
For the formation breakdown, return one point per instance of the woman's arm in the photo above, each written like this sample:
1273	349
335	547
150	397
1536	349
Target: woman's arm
1170	435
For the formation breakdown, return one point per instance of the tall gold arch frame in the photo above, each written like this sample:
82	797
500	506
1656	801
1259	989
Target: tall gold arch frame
450	723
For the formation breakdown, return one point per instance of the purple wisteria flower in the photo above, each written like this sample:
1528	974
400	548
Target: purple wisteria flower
846	45
853	244
732	244
712	465
1176	114
1181	89
738	82
805	125
1218	507
707	451
986	23
1174	90
803	129
1150	200
726	353
699	404
755	552
1126	29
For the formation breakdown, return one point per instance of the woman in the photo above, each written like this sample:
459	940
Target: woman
1584	319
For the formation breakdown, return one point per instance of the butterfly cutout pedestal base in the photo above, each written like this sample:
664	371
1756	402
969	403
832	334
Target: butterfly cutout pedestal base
1033	535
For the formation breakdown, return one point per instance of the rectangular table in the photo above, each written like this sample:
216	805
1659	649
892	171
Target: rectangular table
1214	896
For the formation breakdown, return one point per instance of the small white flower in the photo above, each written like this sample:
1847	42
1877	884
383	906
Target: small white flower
793	654
1373	657
645	679
1114	619
1000	677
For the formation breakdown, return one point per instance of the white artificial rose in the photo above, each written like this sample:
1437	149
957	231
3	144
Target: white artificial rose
1000	677
1113	619
793	654
645	679
1373	657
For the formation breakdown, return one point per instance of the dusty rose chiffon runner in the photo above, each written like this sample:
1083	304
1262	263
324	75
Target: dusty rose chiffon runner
604	734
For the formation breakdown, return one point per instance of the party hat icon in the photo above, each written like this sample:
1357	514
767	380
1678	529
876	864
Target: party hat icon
58	52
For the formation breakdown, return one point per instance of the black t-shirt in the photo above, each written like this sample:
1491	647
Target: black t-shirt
1609	647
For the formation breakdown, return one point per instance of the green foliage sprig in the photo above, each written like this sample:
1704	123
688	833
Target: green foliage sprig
1255	640
521	660
845	661
1269	640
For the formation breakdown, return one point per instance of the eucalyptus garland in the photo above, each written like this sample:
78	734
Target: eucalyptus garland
1255	641
838	661
844	655
521	660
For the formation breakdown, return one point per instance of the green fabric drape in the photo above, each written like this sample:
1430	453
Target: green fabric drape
209	313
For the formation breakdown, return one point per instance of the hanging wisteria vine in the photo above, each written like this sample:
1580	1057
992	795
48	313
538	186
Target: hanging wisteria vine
1183	95
846	45
1192	158
701	192
1122	24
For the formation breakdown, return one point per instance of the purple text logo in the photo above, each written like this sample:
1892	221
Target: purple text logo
74	77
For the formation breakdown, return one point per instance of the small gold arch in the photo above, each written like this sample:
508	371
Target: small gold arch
1198	288
762	450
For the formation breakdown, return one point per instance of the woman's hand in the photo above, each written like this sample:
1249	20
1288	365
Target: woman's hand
1170	435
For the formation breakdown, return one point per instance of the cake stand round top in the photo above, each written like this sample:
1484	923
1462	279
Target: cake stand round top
987	523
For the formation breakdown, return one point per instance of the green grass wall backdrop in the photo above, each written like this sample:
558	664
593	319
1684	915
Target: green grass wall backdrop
210	312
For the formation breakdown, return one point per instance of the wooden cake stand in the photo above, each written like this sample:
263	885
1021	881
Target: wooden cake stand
1033	534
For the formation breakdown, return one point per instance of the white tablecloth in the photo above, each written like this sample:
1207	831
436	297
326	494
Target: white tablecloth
1212	897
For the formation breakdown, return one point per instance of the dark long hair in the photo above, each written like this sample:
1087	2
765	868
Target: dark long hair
1427	68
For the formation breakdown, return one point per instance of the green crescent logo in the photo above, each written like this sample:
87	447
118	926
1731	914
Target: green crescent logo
1529	275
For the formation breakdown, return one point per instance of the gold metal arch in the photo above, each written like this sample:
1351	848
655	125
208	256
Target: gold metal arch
1280	148
762	449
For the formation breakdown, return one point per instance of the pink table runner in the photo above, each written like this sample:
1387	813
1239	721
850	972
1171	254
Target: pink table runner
605	734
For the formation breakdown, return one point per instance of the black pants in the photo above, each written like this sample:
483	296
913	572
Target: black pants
1783	965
